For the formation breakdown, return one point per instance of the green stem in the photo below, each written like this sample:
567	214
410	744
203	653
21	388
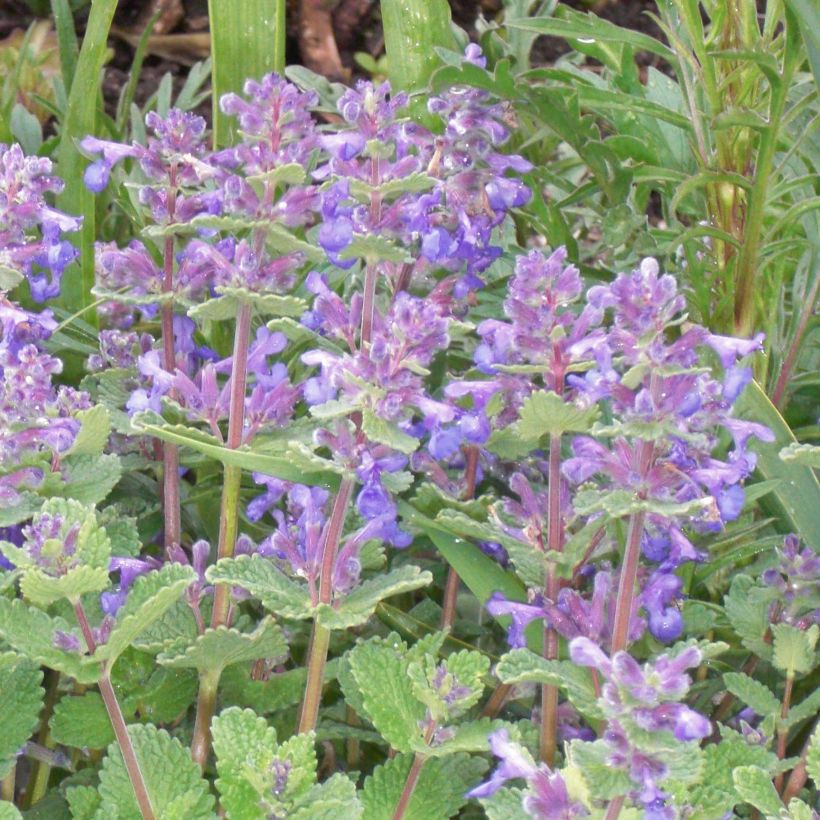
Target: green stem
746	275
320	636
228	528
115	715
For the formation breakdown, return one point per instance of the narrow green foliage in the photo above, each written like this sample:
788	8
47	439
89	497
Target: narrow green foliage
247	40
80	120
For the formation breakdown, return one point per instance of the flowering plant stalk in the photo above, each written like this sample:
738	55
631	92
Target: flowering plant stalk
329	356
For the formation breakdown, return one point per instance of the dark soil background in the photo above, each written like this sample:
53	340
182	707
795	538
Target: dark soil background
180	36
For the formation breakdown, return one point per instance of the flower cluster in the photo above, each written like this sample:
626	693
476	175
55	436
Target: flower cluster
643	708
796	578
31	231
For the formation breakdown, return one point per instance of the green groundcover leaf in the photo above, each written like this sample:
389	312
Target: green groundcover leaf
217	648
21	698
82	721
174	784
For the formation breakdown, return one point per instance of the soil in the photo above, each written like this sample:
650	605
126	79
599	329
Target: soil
355	24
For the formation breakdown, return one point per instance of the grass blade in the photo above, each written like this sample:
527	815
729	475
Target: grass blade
795	500
80	120
67	39
247	40
413	29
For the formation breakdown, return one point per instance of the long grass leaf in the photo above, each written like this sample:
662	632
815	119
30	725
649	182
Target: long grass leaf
413	29
67	40
247	40
80	120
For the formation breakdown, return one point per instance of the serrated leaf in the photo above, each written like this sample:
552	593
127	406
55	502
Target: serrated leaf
81	721
755	787
8	811
794	648
261	578
95	427
374	249
383	432
176	625
752	693
380	672
545	413
505	804
524	666
602	779
469	737
286	466
226	305
89	479
149	598
439	793
806	454
121	530
747	608
813	757
217	648
807	708
43	590
412	184
31	632
330	800
21	698
169	772
83	802
356	607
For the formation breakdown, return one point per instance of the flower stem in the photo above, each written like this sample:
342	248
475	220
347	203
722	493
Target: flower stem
783	734
170	452
413	776
448	609
38	780
228	528
614	808
797	779
115	715
497	700
320	636
626	584
549	693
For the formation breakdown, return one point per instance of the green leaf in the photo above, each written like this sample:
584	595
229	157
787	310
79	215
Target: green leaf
413	29
356	607
227	304
524	666
468	737
747	608
171	778
813	757
602	779
21	698
807	454
89	479
755	787
95	427
794	648
752	693
505	804
258	576
380	672
478	571
439	793
383	432
373	249
83	801
148	600
9	278
43	590
281	466
8	811
247	40
31	632
176	626
798	493
217	648
80	120
81	721
806	709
